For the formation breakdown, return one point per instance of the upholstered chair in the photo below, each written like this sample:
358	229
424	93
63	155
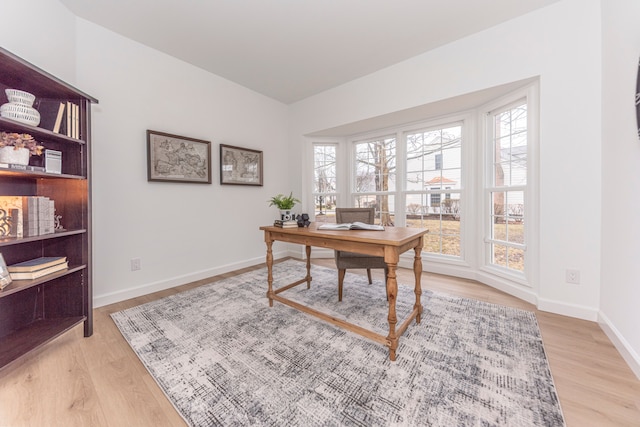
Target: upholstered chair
346	260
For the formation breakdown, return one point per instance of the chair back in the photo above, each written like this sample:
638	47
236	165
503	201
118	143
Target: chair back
366	215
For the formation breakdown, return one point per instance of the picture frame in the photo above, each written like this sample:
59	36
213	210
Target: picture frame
5	276
240	166
176	158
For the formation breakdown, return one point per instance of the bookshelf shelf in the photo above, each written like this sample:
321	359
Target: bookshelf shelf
33	312
34	336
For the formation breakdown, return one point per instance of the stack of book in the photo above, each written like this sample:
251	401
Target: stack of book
22	167
38	267
285	224
30	215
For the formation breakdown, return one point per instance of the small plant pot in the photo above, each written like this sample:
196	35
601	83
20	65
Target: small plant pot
286	214
12	156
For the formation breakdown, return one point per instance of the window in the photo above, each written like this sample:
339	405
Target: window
325	183
438	159
469	178
507	187
375	177
433	187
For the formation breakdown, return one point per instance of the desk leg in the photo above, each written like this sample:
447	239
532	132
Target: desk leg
270	293
392	293
417	270
308	251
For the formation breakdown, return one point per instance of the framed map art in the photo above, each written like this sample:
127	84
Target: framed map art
240	166
177	158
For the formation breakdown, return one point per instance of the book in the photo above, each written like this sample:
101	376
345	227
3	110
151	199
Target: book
58	123
30	275
69	109
22	167
29	216
76	121
351	226
285	224
45	216
51	112
36	264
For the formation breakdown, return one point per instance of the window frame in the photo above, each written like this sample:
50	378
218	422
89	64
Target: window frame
527	277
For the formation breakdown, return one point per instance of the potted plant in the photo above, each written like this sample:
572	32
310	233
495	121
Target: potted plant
285	204
16	148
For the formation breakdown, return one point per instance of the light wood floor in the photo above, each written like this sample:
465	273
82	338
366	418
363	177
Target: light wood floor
98	381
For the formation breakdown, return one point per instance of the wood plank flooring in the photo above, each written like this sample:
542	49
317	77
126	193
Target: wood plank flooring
98	381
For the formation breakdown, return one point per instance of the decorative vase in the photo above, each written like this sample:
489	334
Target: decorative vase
286	215
12	156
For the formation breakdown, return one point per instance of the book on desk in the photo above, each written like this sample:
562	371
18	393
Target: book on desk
351	226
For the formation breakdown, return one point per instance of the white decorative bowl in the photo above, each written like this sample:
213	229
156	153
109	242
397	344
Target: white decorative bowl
17	96
20	113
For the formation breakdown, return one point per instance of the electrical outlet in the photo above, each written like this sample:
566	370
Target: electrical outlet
135	264
573	276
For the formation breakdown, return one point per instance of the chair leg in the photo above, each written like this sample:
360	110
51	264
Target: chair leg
341	273
369	275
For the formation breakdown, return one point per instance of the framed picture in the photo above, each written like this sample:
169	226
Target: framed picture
240	166
177	158
5	277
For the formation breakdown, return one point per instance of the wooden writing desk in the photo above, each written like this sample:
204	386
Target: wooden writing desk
389	244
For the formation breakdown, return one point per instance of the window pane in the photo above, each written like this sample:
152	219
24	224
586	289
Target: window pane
325	208
516	259
434	167
375	165
499	253
509	163
324	157
383	205
510	147
324	182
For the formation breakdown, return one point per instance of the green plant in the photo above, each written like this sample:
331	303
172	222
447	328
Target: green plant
283	202
21	140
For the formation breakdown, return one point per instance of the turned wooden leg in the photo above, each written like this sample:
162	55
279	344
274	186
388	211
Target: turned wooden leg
341	273
392	293
308	251
417	271
270	272
369	275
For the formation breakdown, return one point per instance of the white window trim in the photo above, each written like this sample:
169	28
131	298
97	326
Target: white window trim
527	278
471	264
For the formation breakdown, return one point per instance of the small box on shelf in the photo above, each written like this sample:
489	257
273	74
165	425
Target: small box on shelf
52	161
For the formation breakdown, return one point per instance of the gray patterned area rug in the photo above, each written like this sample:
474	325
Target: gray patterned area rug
224	357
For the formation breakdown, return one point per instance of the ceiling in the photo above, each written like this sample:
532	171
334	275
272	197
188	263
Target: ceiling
292	49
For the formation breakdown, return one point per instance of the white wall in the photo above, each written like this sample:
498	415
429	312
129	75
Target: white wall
41	32
620	299
181	232
563	48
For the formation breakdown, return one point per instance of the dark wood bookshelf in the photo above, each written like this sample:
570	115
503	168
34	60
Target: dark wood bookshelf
33	312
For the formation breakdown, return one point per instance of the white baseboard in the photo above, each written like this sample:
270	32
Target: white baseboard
148	288
626	351
570	310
